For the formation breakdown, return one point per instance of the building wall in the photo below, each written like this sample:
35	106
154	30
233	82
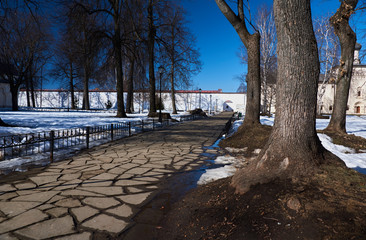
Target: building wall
185	101
357	94
5	96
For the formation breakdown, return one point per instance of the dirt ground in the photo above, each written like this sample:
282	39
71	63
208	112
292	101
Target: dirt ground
329	205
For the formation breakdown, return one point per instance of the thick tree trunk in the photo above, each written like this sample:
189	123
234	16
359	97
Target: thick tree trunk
14	97
347	39
252	110
118	65
129	102
293	149
150	46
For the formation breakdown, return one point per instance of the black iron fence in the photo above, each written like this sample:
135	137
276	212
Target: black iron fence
23	145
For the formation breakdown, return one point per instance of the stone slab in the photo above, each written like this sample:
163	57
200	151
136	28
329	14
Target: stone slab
84	212
135	199
101	202
49	229
37	197
68	203
22	220
122	211
57	212
14	208
107	223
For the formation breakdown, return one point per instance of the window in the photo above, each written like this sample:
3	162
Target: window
330	108
359	93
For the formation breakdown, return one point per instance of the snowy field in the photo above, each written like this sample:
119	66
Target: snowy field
354	125
33	122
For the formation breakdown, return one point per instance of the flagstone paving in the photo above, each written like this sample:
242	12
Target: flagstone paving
103	192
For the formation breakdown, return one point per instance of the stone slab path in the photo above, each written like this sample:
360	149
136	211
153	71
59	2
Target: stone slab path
102	193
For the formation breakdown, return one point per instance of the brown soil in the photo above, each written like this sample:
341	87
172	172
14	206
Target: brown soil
251	138
329	205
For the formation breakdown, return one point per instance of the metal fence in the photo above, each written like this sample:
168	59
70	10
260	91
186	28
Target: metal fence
48	142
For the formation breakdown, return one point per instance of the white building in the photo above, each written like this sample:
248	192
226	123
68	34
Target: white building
185	100
357	93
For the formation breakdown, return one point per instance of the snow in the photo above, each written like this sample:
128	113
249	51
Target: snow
354	124
34	121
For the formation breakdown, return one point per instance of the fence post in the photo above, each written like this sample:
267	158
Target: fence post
87	136
153	125
142	125
112	131
129	129
52	144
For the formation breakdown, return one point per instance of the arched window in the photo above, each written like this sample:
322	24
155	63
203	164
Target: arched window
359	92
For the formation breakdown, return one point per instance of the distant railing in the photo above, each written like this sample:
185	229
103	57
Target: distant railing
23	145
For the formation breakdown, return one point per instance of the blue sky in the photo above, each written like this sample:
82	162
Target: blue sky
219	43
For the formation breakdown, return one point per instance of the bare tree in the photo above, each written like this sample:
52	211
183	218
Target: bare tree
180	55
347	39
65	63
328	48
267	29
23	45
251	42
293	149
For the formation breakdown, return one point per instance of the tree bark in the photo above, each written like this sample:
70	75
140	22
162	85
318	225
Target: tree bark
293	150
252	110
252	44
14	97
86	103
27	91
117	48
129	102
72	91
150	47
347	39
172	91
32	91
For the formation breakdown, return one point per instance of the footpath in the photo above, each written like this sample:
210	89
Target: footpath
106	192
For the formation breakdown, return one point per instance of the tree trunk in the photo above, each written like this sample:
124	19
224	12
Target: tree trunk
252	44
252	110
72	91
293	149
173	91
347	39
86	103
27	91
150	47
118	65
14	97
32	92
129	102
